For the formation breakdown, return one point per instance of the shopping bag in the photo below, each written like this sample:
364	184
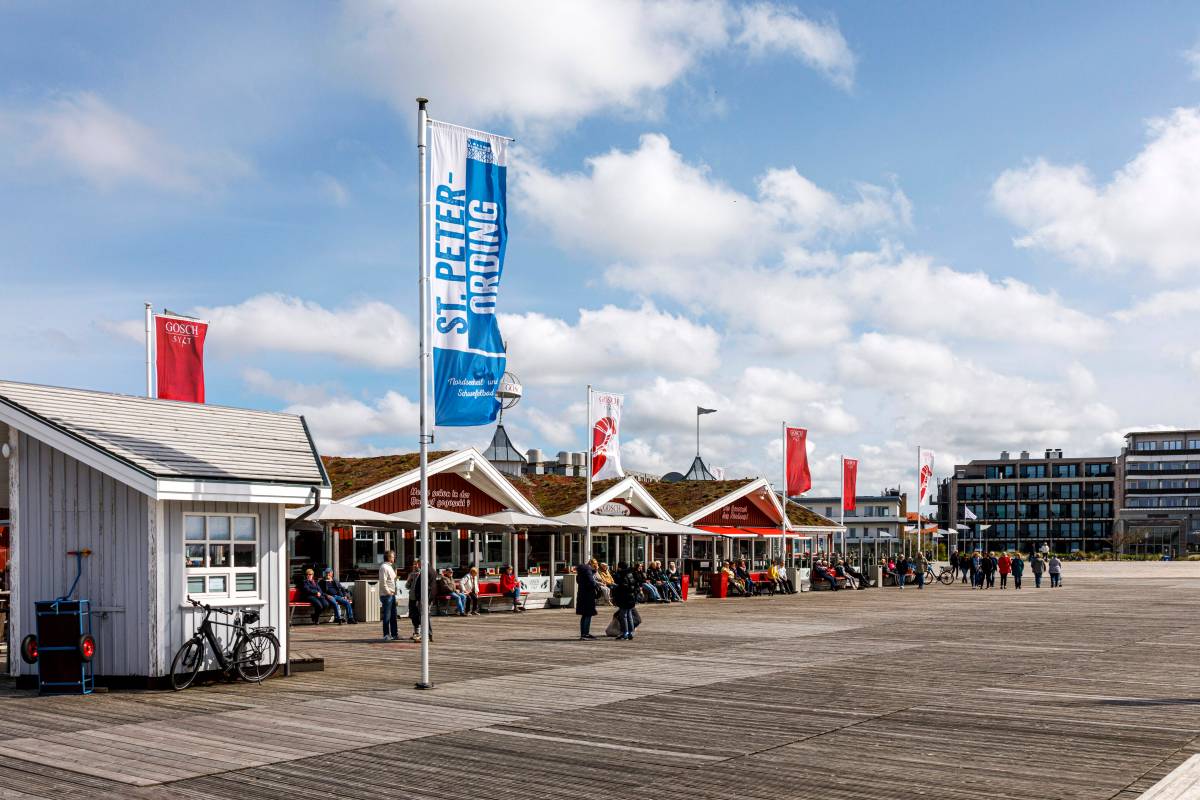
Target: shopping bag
637	618
614	627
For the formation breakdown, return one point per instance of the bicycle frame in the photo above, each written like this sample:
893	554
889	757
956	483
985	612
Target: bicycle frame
206	629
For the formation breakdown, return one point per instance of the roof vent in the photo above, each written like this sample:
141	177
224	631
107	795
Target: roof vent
1004	455
1024	455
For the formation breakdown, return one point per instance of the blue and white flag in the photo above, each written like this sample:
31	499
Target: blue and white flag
467	235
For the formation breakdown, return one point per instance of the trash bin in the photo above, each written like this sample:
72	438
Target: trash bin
366	601
719	586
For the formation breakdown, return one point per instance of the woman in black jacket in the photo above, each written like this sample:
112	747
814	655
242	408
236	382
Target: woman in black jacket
585	598
625	598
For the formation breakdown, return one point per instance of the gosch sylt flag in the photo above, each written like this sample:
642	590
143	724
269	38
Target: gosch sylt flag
604	422
924	473
179	357
849	482
467	235
799	480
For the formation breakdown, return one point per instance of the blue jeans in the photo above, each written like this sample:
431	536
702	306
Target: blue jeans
344	605
515	594
387	612
651	592
1037	580
460	600
1054	578
625	618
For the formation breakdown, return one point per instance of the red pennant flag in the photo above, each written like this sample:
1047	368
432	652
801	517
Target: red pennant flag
799	480
179	354
849	482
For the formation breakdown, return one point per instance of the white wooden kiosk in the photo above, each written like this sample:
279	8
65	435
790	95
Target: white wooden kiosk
173	499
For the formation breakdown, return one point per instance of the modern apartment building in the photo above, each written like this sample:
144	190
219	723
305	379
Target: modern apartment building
876	518
1021	503
1159	493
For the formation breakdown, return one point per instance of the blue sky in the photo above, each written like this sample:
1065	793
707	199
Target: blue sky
968	226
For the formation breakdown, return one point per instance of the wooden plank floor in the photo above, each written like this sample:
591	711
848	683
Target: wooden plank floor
1089	691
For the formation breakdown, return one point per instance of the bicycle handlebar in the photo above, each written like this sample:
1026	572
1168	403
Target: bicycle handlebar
206	607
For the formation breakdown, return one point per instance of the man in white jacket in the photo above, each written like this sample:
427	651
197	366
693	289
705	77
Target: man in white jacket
387	596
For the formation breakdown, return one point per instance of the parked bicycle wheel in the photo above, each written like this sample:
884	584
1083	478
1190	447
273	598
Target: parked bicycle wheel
186	665
946	578
257	656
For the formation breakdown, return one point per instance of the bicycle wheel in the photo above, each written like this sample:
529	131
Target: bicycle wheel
257	656
186	664
946	578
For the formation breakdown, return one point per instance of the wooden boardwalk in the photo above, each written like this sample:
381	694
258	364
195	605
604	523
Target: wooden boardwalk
1089	691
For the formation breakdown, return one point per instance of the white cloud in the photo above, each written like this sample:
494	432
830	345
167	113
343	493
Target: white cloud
333	189
1145	216
81	134
553	63
1192	57
768	28
968	304
669	210
608	342
967	406
1161	306
370	332
340	424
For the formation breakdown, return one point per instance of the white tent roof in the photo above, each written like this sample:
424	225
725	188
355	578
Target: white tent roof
516	519
340	512
440	517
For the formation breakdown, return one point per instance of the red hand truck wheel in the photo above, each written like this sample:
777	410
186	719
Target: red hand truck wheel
87	647
29	649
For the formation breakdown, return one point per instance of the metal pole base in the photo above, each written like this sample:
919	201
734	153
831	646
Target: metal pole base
419	685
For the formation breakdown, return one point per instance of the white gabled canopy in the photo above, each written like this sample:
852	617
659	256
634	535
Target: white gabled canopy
340	512
468	464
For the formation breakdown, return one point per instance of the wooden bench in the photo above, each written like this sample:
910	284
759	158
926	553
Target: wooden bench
817	584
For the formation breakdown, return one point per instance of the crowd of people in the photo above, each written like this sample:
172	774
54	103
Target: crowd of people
981	568
635	583
741	581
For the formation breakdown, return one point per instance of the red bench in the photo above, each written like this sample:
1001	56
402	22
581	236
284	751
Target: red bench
490	591
295	604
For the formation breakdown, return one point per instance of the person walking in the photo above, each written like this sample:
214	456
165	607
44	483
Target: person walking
1004	564
586	592
1018	569
954	563
976	570
413	584
990	563
1038	566
1055	569
387	596
625	595
922	565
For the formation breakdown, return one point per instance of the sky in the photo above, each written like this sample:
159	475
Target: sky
968	227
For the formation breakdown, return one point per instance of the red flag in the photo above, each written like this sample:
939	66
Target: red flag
179	354
849	482
799	480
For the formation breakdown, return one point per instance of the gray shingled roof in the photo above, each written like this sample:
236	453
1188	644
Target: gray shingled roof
169	439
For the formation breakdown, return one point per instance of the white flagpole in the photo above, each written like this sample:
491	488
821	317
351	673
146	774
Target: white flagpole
587	507
149	356
918	497
842	508
783	495
423	284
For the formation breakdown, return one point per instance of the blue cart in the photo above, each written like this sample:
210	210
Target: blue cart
63	646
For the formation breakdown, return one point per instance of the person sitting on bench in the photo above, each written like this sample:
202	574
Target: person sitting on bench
447	590
674	579
310	592
860	580
665	588
743	574
778	573
510	587
736	584
470	589
822	573
604	580
643	581
337	594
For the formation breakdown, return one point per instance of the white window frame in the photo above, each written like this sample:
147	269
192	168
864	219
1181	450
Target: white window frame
230	572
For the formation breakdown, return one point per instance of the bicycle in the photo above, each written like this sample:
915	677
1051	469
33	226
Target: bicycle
254	653
945	575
